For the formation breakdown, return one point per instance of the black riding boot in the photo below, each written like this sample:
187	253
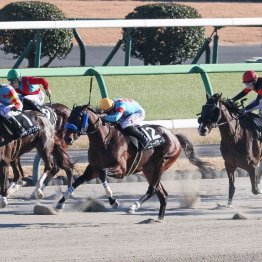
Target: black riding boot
31	105
142	139
259	130
16	127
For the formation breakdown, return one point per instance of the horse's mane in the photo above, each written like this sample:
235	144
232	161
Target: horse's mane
246	121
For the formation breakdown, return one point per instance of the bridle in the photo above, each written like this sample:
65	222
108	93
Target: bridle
82	130
217	124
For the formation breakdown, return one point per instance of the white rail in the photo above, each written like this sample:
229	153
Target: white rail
175	123
107	23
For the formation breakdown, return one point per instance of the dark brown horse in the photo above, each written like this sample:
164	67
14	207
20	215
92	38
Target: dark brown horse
113	154
239	146
41	137
62	113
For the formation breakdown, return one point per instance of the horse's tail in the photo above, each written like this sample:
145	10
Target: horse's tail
189	151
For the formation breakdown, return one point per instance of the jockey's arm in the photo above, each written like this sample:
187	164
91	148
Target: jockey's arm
38	81
254	103
113	118
241	94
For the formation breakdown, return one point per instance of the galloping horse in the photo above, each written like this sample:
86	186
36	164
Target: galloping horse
41	136
239	146
113	154
62	113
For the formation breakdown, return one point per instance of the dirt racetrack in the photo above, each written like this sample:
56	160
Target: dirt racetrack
204	233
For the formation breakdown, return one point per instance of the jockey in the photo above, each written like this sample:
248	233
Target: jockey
9	104
28	88
127	113
251	82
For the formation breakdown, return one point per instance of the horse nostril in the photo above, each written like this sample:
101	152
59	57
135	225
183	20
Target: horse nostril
68	140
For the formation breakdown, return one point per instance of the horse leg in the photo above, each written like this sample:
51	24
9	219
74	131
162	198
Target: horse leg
162	196
113	202
88	174
134	207
45	154
254	178
3	185
62	160
18	175
231	179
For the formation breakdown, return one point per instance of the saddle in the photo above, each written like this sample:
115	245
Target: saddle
153	134
26	120
254	122
50	114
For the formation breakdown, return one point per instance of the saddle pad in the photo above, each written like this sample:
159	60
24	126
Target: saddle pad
154	136
28	122
50	114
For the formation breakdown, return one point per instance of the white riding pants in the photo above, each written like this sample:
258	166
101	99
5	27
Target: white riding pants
38	98
6	112
132	120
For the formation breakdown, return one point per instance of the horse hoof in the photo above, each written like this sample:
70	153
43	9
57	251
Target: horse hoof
115	205
3	202
39	194
60	206
131	210
66	195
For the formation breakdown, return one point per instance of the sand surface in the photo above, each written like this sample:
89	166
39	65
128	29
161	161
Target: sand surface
204	233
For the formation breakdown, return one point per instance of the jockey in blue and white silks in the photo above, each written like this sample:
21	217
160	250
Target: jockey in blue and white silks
128	114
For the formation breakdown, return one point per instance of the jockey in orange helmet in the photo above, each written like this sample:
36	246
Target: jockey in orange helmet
128	114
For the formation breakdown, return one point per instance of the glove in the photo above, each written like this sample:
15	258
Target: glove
242	111
231	102
14	108
48	92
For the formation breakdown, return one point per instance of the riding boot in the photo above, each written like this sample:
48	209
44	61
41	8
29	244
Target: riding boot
258	129
31	105
16	127
135	132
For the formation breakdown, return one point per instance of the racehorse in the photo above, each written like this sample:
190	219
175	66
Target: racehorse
61	112
40	136
239	145
112	154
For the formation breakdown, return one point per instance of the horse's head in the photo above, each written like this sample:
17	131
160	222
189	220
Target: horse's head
209	115
77	124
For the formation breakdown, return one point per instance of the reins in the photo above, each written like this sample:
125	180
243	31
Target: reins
226	122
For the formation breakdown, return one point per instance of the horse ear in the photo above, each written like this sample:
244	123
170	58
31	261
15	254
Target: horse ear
207	96
220	95
75	105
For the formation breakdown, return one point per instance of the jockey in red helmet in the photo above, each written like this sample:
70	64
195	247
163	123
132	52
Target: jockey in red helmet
251	82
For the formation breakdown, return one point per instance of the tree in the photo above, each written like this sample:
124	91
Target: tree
164	45
56	43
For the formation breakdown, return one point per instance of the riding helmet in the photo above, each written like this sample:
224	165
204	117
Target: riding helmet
249	76
106	104
13	74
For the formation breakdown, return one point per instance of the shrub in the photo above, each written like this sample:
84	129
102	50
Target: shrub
56	43
164	45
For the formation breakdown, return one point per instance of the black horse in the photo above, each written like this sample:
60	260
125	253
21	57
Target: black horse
113	154
240	146
58	117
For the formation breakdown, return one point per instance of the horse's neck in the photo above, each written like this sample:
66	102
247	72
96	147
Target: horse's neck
228	126
98	134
